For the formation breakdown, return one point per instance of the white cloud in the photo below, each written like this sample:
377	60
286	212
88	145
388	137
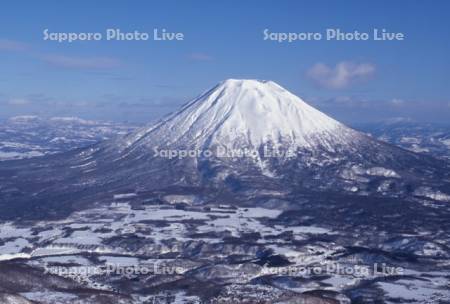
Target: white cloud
18	102
342	75
64	61
397	102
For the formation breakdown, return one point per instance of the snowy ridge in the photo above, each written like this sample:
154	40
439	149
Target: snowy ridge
246	113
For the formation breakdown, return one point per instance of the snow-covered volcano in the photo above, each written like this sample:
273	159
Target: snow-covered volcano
245	113
327	157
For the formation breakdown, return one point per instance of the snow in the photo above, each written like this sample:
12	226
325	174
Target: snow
11	256
23	118
84	165
173	198
182	298
19	155
66	259
245	113
124	195
49	296
380	171
410	140
15	240
85	237
340	282
413	291
446	142
13	247
9	144
433	194
306	229
9	230
119	260
71	119
54	250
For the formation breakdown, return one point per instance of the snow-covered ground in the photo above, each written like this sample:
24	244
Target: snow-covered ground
88	240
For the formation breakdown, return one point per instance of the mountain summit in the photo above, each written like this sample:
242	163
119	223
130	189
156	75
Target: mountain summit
246	113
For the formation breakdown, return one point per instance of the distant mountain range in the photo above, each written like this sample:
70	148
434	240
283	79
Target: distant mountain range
31	136
425	138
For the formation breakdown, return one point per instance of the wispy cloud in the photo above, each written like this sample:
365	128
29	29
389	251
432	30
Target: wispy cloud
364	108
11	45
60	60
200	57
368	104
397	102
72	62
341	76
29	99
18	102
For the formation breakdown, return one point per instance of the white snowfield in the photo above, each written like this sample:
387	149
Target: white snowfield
246	113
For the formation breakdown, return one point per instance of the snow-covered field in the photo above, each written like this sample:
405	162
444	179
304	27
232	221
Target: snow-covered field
93	239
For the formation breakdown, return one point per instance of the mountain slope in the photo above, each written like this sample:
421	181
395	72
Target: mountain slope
309	152
247	113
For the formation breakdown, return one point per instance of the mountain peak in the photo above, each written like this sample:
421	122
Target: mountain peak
244	82
247	85
239	113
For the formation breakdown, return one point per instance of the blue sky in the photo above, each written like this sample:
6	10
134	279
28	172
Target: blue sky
353	81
